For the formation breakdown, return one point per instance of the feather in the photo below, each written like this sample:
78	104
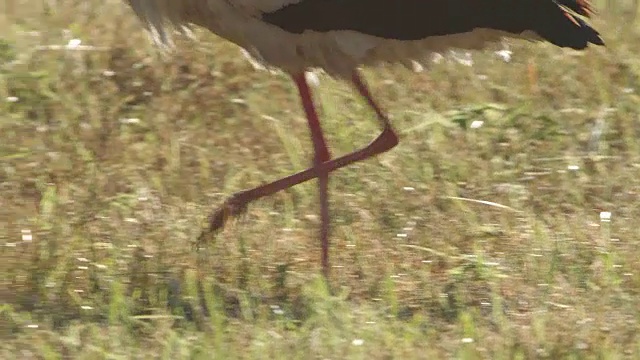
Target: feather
339	35
419	19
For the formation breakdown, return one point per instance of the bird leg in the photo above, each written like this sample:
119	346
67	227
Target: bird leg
321	155
239	201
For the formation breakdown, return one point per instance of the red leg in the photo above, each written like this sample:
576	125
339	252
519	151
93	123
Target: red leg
321	155
238	202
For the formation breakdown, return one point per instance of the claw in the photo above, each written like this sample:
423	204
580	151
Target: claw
234	206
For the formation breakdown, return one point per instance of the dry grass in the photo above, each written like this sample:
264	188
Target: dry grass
111	159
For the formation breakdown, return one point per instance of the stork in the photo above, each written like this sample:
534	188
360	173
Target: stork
339	36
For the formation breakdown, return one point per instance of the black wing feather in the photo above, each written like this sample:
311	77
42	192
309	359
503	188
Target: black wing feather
419	19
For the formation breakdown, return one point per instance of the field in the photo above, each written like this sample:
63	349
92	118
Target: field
505	225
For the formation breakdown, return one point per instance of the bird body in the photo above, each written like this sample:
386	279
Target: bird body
341	35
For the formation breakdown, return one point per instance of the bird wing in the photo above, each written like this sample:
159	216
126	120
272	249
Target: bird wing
556	21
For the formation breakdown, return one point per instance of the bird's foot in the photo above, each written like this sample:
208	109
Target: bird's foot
234	206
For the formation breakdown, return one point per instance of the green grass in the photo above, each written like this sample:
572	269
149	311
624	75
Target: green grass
111	160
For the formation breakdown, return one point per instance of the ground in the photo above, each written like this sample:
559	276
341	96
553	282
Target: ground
505	225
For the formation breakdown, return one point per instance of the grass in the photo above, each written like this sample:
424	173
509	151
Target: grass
112	158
